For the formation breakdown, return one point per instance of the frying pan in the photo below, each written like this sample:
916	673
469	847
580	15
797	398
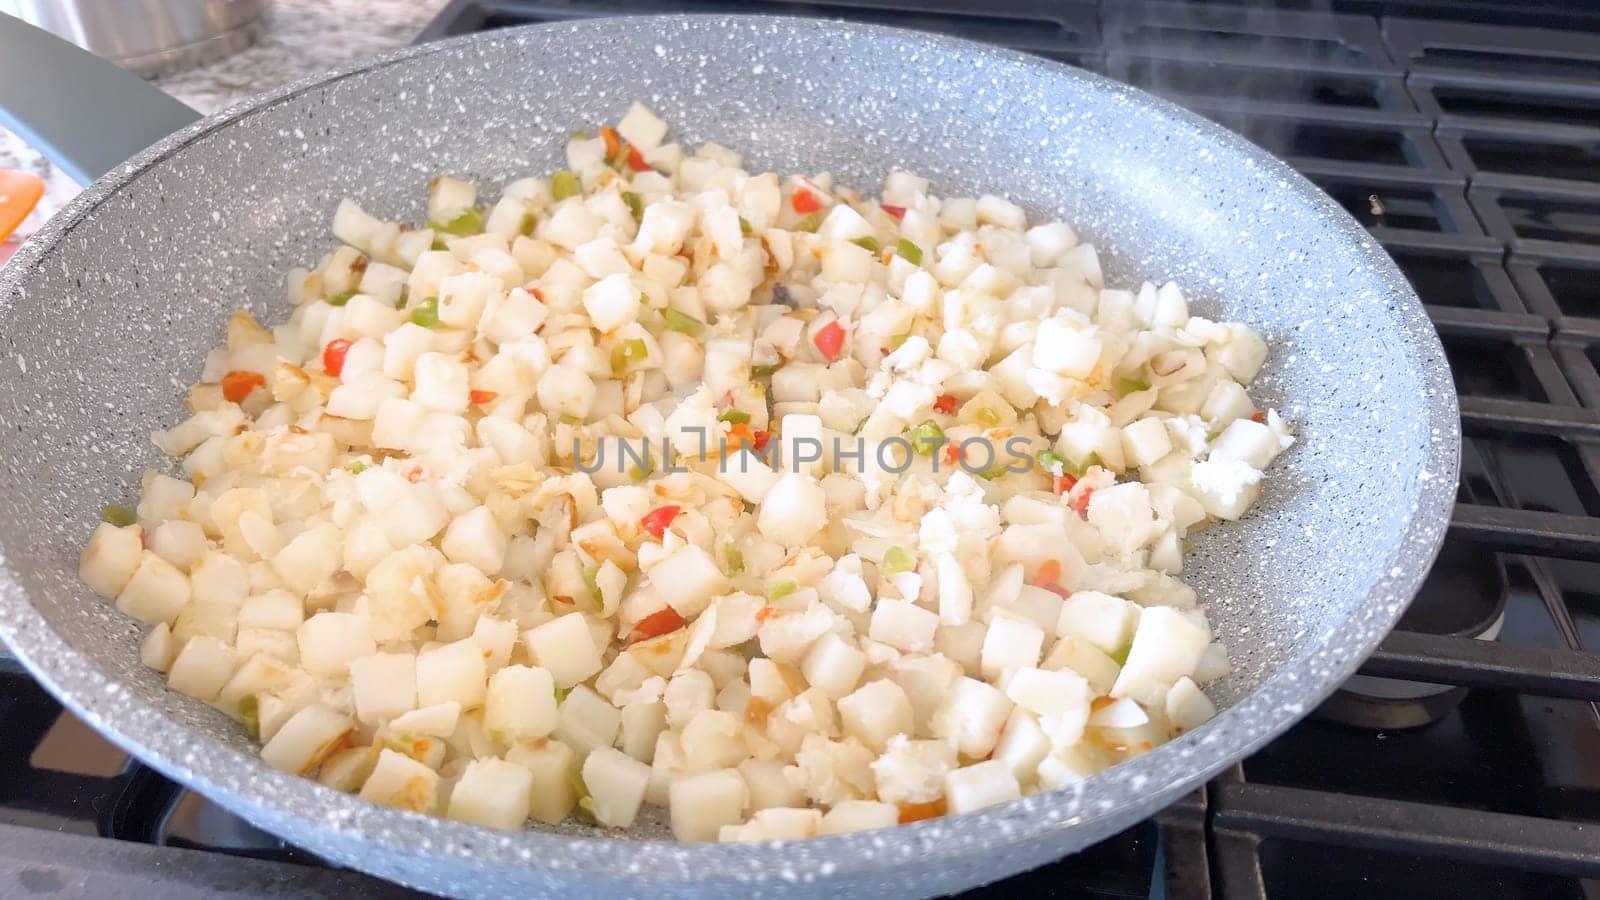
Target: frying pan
106	314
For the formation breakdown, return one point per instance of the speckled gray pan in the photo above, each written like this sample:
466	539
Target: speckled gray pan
105	316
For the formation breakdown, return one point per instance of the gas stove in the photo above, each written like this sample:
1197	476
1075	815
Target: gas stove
1466	761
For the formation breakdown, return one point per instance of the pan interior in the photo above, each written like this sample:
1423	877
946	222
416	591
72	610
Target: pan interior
104	332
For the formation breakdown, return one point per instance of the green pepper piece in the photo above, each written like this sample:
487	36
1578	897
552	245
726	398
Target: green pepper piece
987	417
925	438
778	590
868	243
762	370
118	515
735	559
357	467
1052	462
734	417
250	714
635	205
684	323
911	252
897	560
426	313
341	299
744	225
810	223
469	222
626	354
563	184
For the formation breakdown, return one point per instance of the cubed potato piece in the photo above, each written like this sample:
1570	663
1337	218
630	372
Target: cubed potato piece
329	641
1187	706
616	783
1023	745
641	127
876	712
833	665
704	802
201	668
642	724
565	647
111	558
1011	643
275	609
713	739
688	580
977	786
1144	441
310	559
972	717
306	739
769	786
178	542
158	649
493	793
777	824
497	637
858	815
346	770
1072	652
260	673
552	764
1226	488
475	538
903	625
521	704
793	509
1104	621
1167	646
401	782
454	671
586	722
439	720
383	686
155	593
217	577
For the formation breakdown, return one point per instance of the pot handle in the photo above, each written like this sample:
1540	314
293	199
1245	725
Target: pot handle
84	113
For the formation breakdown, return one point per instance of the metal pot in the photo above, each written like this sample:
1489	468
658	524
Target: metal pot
148	37
110	308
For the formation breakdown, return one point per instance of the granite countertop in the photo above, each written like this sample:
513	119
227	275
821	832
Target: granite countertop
302	37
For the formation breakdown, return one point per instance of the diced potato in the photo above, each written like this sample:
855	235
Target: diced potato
1011	643
876	712
704	802
833	665
552	793
158	649
586	722
306	739
972	717
858	815
384	685
455	671
904	625
688	580
155	593
329	641
977	786
565	648
401	782
493	793
201	668
616	784
520	704
1166	647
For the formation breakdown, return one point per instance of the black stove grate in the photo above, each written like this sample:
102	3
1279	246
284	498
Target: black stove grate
1472	152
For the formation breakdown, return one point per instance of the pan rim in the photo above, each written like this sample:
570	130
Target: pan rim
1109	799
